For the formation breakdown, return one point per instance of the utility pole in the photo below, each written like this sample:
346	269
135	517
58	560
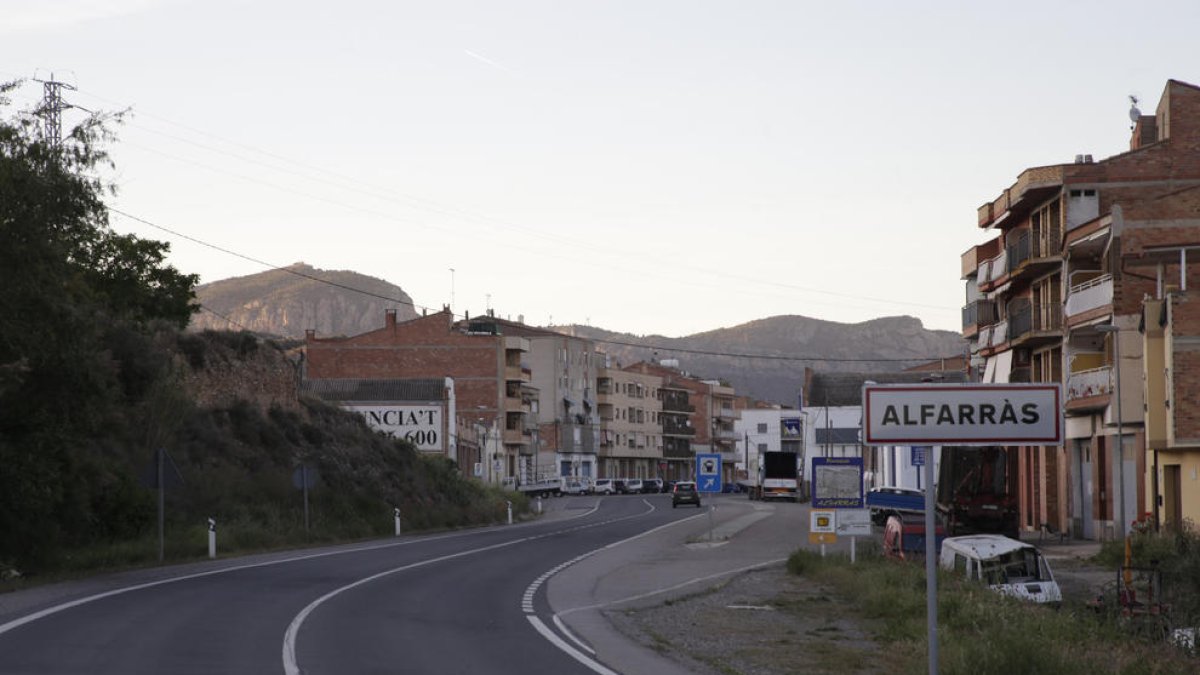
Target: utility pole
51	110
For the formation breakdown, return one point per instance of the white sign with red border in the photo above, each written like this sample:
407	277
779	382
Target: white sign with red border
962	414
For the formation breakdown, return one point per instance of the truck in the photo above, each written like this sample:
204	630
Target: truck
778	476
540	487
976	494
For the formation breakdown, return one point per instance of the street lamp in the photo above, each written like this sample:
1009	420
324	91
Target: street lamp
1116	332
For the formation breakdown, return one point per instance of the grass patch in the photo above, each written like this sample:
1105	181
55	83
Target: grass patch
980	632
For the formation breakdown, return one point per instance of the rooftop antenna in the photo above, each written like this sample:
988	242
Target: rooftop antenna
1134	113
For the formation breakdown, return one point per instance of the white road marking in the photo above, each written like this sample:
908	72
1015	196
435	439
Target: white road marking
592	664
291	665
29	618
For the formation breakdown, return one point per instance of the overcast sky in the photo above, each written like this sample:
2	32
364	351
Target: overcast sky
642	166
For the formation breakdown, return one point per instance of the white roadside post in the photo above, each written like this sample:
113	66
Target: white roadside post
509	512
212	538
396	516
539	505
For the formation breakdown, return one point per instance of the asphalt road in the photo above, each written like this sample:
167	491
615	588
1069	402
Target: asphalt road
466	602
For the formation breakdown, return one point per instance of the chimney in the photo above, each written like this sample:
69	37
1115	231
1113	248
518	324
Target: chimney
1145	132
390	318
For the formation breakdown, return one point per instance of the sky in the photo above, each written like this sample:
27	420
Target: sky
651	167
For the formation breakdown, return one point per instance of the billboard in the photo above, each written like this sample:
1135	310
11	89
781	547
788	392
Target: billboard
420	425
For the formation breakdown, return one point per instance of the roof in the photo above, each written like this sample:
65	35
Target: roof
985	546
363	390
845	389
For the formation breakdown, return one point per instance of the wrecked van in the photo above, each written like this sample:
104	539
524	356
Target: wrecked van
1006	565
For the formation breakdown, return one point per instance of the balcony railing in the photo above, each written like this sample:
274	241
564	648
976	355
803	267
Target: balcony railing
979	313
676	429
1018	252
1039	318
999	334
996	268
1085	383
1091	294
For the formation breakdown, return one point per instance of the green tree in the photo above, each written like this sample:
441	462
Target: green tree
74	295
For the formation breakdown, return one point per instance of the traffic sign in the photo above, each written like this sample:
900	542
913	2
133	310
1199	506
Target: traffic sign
822	527
708	472
918	455
962	414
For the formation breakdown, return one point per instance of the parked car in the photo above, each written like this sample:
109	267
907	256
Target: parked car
604	486
574	487
652	486
685	493
633	486
1006	565
619	486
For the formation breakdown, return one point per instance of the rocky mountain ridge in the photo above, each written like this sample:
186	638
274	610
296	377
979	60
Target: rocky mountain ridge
286	302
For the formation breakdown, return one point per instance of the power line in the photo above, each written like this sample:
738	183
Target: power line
660	347
289	270
392	195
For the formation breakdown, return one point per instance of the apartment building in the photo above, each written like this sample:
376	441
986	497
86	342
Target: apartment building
1050	299
488	371
631	433
566	416
1161	239
768	428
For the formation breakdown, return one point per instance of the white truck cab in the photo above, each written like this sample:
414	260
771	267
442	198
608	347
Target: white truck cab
1006	565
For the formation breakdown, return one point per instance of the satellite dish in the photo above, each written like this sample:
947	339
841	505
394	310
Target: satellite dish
1134	113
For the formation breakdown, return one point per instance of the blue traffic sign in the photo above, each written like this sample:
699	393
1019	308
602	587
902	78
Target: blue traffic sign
918	454
708	472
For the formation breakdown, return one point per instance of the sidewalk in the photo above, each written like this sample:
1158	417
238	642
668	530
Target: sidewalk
1056	547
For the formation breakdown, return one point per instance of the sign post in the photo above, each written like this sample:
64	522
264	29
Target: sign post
964	414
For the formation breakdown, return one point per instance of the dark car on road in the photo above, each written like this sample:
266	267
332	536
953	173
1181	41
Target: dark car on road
685	492
652	486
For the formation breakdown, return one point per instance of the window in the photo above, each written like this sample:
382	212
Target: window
762	427
762	447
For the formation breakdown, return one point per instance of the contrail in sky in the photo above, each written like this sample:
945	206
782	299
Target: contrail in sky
490	62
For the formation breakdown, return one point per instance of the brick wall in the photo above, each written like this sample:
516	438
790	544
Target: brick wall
423	347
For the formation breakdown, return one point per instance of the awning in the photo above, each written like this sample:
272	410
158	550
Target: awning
989	370
1003	366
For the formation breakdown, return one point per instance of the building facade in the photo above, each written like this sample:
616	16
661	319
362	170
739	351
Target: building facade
1049	299
631	434
491	386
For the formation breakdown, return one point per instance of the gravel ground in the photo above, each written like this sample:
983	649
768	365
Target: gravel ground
759	623
770	622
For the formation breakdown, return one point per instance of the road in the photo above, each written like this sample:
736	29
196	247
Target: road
466	602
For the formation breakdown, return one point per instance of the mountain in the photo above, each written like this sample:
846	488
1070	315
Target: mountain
880	345
290	300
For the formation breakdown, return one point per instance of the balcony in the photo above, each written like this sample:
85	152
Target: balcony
973	257
992	271
1035	324
977	315
1085	384
725	412
1092	294
673	428
1032	186
999	334
725	435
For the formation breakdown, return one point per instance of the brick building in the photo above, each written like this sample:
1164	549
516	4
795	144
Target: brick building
1159	236
1050	299
491	385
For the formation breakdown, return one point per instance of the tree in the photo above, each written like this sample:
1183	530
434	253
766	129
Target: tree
70	289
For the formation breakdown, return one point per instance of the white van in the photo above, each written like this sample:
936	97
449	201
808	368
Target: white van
1006	565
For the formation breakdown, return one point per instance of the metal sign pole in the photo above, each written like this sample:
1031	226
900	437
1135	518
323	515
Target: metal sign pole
931	564
161	505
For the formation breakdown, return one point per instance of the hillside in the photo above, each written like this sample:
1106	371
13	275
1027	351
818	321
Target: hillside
873	345
284	303
288	301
